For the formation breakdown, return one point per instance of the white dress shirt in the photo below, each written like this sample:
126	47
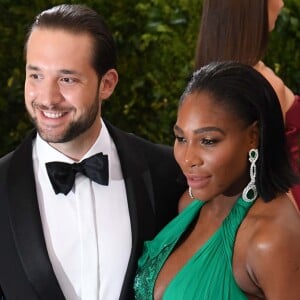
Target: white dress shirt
88	231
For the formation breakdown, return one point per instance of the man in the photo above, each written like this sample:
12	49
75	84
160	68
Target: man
80	237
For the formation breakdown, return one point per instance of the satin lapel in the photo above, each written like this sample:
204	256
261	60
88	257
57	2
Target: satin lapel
138	184
139	195
26	224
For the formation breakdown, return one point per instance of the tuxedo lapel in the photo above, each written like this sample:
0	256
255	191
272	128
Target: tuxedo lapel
26	224
139	196
138	185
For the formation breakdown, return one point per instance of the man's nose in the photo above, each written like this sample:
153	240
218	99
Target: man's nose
50	94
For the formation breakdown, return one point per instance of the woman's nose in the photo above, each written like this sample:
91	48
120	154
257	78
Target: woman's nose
192	157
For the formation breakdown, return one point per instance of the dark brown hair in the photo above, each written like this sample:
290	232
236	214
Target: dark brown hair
235	30
81	19
249	97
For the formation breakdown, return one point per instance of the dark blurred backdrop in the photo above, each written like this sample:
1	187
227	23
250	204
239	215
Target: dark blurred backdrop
156	44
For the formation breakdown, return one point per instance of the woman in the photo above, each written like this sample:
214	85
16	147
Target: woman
237	236
238	31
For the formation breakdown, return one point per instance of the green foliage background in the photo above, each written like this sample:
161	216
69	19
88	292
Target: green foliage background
156	43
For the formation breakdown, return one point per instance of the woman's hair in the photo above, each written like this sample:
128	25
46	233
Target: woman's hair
234	30
79	19
248	96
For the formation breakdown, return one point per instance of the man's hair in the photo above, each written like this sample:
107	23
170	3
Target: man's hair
234	30
244	93
80	19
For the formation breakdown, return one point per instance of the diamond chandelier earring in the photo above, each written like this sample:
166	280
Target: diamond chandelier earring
191	193
250	191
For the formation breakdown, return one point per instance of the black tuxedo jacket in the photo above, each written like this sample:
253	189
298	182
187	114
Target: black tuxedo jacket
153	189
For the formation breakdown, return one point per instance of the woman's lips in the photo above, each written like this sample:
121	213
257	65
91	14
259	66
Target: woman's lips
198	181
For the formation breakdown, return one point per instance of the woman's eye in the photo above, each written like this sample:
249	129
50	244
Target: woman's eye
179	139
208	142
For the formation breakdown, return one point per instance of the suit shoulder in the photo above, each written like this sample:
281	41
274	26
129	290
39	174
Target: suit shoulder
25	147
4	160
153	147
149	148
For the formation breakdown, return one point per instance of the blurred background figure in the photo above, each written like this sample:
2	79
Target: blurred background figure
228	32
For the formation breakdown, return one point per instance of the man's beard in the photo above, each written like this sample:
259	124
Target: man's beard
73	129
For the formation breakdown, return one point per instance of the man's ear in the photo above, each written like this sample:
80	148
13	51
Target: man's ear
254	135
108	83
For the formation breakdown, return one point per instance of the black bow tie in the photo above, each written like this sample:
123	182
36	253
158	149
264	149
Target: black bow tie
62	175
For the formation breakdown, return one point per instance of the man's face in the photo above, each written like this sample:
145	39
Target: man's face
61	86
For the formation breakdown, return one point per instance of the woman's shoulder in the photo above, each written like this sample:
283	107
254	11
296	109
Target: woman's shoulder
269	244
277	216
285	95
268	227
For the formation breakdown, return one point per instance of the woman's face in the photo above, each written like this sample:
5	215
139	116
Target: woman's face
274	8
212	147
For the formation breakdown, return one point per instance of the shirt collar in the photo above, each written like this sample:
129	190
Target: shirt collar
47	153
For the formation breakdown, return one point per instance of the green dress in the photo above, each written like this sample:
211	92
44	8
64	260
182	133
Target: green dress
208	273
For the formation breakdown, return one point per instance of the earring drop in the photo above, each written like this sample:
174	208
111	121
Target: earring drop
191	194
250	191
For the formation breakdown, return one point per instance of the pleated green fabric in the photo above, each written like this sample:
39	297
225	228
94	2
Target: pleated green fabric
208	273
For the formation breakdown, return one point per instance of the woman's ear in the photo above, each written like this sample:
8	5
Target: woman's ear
108	83
254	135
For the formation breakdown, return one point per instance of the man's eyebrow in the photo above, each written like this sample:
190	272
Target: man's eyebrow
68	72
32	67
62	71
